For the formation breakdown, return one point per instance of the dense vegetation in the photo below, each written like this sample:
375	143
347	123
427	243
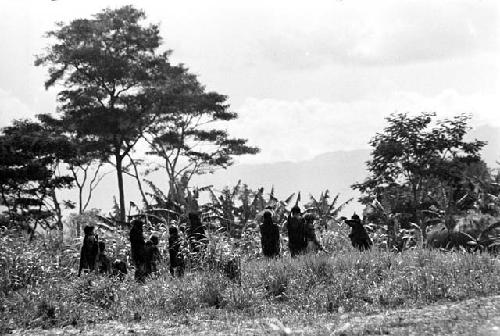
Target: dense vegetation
40	289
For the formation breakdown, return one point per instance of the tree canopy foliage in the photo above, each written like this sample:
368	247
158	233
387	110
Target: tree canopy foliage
29	176
120	88
185	138
418	162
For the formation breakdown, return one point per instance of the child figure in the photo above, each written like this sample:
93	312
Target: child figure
153	255
103	262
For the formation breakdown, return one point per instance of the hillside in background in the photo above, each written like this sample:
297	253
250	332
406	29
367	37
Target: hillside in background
334	171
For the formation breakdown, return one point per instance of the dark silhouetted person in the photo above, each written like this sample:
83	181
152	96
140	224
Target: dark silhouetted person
103	262
359	237
295	226
89	251
269	236
175	252
137	247
152	255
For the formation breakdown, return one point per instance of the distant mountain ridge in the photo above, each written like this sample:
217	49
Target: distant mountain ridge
335	171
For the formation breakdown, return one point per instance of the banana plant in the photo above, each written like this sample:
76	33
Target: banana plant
325	210
223	207
250	203
278	207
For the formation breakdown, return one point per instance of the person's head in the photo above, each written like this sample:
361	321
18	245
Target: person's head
295	211
88	230
154	239
102	246
355	217
137	224
267	215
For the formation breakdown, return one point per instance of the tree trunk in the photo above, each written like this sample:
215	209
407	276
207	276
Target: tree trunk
119	175
78	228
143	195
80	200
57	209
139	184
423	228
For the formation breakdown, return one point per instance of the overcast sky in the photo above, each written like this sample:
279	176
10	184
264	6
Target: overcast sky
306	77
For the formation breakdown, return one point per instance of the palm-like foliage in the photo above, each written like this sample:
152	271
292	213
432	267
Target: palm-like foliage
222	207
325	210
279	207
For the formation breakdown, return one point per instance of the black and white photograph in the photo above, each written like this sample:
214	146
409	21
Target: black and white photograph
322	167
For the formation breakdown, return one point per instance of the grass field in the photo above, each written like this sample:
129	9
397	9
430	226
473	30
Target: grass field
39	290
478	317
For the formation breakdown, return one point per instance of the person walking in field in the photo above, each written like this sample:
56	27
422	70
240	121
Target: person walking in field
269	236
177	263
313	244
152	255
137	247
89	251
359	237
295	227
103	263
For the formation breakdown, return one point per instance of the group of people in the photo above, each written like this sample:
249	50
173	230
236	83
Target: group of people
146	255
93	256
302	235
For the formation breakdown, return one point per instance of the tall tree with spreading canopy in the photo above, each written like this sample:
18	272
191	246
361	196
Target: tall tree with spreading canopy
107	65
418	161
119	89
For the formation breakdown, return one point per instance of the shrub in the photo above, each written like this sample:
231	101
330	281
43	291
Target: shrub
275	279
211	292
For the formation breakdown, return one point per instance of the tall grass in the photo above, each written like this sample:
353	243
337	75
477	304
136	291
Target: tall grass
39	287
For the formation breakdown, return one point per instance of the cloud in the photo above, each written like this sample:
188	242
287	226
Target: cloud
383	33
12	108
298	130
